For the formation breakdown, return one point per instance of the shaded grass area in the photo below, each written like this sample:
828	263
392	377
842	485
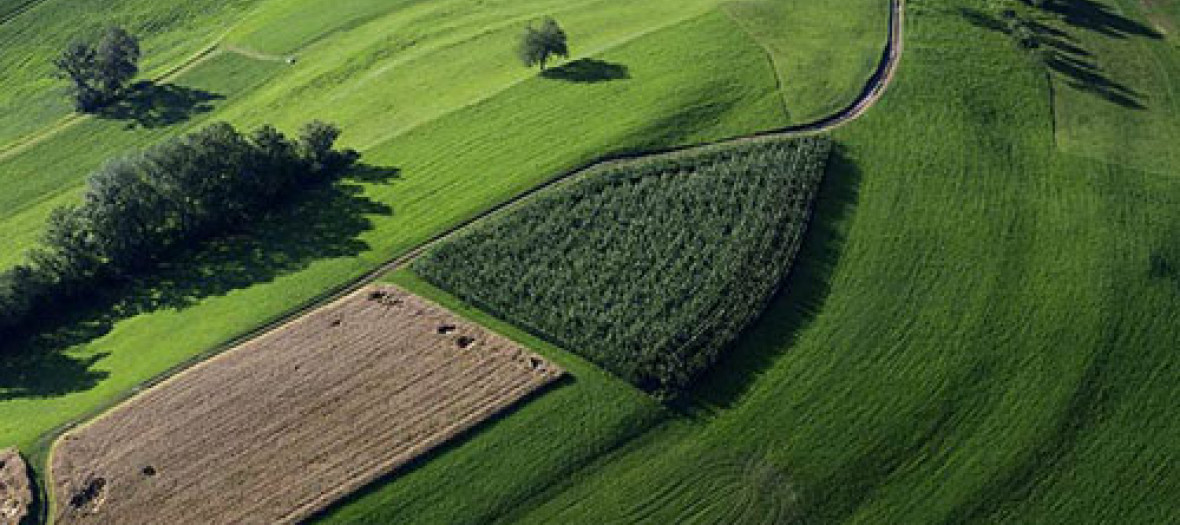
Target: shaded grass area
1114	96
336	214
990	336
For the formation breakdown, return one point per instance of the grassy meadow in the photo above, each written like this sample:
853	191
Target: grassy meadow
980	327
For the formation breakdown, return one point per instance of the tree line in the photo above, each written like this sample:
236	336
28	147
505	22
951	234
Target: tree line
139	207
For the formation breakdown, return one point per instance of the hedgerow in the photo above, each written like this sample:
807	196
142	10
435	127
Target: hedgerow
139	207
650	268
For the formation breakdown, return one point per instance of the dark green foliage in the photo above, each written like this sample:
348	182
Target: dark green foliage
649	269
316	140
100	72
117	60
77	64
538	45
139	207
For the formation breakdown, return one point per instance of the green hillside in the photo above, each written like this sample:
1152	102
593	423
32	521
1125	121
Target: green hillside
981	325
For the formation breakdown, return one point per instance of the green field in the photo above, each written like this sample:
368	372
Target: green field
693	75
980	328
378	70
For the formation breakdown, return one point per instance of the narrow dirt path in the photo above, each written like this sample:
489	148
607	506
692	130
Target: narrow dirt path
872	92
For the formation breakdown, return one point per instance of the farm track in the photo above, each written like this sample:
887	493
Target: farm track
872	92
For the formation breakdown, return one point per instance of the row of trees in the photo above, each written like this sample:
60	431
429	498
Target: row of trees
138	208
649	269
99	71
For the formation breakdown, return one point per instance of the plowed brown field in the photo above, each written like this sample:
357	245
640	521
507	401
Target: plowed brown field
283	425
15	495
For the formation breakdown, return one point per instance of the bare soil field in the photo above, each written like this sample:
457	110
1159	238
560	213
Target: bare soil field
15	495
281	426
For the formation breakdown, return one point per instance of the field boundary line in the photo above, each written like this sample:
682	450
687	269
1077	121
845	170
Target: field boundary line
778	78
872	92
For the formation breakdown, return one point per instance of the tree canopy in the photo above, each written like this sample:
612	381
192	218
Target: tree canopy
99	71
539	44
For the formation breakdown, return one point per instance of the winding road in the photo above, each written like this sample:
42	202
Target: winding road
872	92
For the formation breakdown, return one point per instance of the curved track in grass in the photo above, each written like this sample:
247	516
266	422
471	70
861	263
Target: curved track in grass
873	90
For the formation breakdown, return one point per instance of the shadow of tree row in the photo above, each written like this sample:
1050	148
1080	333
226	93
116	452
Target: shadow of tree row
319	223
1062	53
1098	17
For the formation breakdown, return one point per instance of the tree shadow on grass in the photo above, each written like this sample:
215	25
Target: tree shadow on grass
451	444
800	299
1062	54
153	105
588	70
318	223
1098	17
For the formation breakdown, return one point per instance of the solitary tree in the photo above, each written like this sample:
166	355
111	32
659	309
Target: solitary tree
117	60
538	45
99	72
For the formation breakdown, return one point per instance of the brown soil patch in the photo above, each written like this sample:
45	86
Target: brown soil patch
15	495
284	424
